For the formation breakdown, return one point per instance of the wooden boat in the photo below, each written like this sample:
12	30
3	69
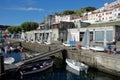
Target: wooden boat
9	60
35	67
77	65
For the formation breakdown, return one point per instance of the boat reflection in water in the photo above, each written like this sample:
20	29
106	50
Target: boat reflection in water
63	74
69	69
92	74
71	74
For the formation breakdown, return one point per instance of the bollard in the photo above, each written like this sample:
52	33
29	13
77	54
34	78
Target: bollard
2	70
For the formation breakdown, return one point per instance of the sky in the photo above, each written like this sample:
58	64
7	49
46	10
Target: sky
15	12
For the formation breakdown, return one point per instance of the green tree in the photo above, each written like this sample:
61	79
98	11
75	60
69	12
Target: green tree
17	29
68	12
83	10
28	26
57	13
10	29
78	12
14	29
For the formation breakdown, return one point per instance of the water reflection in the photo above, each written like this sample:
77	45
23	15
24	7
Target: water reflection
65	74
92	74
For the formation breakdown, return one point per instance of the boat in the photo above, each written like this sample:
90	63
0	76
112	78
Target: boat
86	40
66	44
69	41
68	68
22	36
35	67
97	48
77	65
9	60
86	43
41	40
49	39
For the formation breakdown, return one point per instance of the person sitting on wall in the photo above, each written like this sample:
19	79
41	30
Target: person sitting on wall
108	48
114	49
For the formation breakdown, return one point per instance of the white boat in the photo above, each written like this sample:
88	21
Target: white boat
22	36
41	40
86	43
69	40
97	48
86	40
49	39
66	44
77	65
9	60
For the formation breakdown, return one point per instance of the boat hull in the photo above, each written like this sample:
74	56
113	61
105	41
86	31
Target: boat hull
36	67
97	48
9	60
36	71
76	65
66	44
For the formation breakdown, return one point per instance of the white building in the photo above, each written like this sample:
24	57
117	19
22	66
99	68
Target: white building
109	12
66	18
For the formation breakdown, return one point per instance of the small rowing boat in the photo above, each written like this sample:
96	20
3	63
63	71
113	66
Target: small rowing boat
35	67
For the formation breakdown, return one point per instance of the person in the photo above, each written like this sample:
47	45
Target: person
21	49
114	49
79	46
62	40
109	49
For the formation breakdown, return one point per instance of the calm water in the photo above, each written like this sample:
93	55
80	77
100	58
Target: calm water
65	73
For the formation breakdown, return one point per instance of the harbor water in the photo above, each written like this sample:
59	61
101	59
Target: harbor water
62	73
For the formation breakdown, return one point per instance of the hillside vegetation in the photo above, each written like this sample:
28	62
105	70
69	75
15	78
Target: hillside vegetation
78	12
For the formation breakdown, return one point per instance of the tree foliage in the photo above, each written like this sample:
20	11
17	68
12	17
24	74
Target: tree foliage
14	29
84	10
10	29
78	12
26	26
68	12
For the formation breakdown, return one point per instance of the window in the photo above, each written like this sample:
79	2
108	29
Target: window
109	35
99	36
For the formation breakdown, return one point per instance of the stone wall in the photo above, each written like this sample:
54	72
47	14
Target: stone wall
109	63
